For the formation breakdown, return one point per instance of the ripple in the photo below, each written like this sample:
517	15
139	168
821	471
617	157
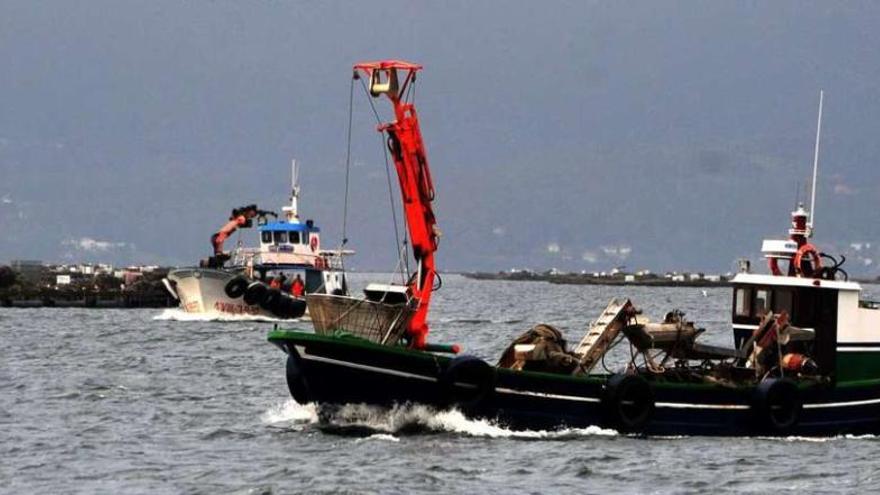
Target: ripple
144	405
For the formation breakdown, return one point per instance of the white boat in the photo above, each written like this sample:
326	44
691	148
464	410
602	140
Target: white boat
260	281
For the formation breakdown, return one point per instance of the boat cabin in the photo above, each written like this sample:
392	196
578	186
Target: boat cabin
290	243
838	330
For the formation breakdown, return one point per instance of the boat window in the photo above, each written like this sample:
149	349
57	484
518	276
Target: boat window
762	302
280	237
782	301
743	300
266	236
294	237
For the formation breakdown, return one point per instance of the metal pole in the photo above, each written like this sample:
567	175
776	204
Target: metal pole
815	166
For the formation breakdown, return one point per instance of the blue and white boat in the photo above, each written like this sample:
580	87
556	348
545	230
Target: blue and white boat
260	281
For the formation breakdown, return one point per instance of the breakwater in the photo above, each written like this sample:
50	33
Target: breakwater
49	287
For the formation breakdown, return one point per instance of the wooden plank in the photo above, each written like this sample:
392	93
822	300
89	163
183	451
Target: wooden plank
602	333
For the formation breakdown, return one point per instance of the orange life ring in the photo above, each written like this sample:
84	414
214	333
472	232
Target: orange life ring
313	243
815	260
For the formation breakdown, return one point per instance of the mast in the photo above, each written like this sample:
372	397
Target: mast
291	212
417	190
815	167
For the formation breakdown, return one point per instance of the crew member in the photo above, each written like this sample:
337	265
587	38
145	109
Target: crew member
277	282
297	288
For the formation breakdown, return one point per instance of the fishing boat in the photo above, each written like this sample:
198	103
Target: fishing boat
806	359
271	280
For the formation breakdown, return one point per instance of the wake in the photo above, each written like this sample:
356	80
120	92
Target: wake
177	314
388	424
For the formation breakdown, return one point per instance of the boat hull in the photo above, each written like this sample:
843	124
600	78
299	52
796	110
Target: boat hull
338	370
202	291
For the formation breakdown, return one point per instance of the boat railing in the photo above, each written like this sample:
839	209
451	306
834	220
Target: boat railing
869	304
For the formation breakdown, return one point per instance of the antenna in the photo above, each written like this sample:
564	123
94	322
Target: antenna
291	211
815	167
294	179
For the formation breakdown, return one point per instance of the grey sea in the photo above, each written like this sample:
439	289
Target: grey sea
153	401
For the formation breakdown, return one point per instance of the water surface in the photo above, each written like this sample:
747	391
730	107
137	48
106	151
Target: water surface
147	401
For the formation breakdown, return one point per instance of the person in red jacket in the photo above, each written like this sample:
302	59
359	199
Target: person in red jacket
297	288
277	282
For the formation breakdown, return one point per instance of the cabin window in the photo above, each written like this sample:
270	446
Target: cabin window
294	237
280	237
762	302
782	301
743	300
266	237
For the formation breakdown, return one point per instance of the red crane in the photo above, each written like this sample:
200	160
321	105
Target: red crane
240	218
391	78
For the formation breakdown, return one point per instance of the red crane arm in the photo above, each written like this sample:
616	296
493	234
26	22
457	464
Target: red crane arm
241	217
416	188
227	230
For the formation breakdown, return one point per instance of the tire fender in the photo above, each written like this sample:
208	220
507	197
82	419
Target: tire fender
628	402
776	406
255	293
270	299
236	287
466	382
288	307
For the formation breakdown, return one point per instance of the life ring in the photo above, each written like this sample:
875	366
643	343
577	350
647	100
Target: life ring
814	258
296	382
236	287
255	293
628	402
270	299
466	383
776	406
313	243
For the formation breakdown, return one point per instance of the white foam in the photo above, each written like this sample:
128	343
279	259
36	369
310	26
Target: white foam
825	439
398	418
177	314
455	421
290	411
381	436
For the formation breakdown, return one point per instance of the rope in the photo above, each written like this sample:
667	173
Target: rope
347	174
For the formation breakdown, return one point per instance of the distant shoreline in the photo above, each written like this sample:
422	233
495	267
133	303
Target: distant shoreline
582	279
578	279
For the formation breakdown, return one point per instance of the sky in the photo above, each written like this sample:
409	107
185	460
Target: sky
577	135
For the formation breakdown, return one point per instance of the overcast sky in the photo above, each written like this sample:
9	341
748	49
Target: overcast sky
577	135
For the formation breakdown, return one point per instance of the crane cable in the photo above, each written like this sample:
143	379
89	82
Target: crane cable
402	256
344	240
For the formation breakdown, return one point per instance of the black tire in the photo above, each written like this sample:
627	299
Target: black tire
628	403
466	383
255	293
236	287
270	300
296	382
776	408
288	307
